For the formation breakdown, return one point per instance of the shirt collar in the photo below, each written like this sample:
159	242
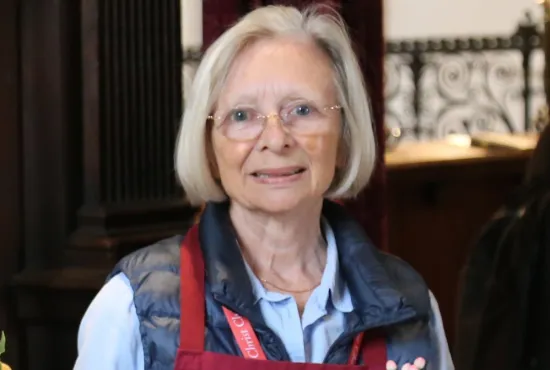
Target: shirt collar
332	289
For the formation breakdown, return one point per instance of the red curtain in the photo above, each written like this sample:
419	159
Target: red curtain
218	15
364	19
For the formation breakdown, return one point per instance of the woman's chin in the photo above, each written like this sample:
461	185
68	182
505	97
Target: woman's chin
280	203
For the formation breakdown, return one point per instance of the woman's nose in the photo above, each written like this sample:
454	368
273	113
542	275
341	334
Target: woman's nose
274	136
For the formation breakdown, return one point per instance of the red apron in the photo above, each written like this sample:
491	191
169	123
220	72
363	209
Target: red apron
191	354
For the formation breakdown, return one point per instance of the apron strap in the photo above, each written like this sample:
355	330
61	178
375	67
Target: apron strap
375	350
191	293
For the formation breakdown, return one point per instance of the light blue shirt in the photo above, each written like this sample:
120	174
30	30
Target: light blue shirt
109	337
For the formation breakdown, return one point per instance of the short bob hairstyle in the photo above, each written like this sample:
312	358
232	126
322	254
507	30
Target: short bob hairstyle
326	28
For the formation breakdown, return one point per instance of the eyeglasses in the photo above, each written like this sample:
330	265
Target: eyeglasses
243	124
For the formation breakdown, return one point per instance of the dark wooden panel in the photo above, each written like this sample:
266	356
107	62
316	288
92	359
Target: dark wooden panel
51	116
10	160
132	99
437	209
53	326
132	105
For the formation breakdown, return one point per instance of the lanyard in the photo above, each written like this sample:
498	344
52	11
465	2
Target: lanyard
250	345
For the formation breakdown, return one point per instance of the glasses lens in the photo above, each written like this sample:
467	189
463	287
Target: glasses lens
242	124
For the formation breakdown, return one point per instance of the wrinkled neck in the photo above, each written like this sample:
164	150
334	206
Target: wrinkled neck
290	243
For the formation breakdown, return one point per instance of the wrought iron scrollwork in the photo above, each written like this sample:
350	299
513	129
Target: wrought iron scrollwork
437	87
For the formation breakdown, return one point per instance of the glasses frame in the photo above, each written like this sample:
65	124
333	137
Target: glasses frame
264	118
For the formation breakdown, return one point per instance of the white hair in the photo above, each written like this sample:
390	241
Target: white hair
326	28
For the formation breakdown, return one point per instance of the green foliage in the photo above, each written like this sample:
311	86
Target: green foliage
2	343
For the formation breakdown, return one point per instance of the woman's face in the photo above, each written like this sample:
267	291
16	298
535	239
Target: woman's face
282	168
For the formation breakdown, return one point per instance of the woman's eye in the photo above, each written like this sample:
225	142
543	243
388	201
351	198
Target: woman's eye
239	115
302	110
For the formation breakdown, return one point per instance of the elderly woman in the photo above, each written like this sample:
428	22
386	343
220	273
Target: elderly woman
274	275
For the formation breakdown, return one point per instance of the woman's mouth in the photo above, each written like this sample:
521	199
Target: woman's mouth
278	176
279	172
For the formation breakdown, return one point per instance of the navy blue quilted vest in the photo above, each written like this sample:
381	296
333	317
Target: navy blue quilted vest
387	293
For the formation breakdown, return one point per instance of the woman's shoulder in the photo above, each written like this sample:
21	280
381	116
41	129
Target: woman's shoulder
161	252
408	281
161	256
152	274
399	269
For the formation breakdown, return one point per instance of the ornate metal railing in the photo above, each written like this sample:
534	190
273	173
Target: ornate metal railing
463	85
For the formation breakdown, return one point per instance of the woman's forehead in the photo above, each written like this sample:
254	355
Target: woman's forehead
282	68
